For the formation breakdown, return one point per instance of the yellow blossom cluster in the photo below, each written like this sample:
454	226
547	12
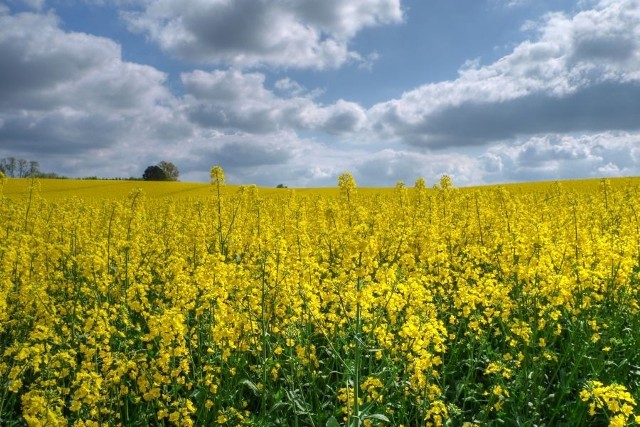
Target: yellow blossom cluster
614	399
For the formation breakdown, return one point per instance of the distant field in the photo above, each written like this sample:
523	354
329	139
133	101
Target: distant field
62	188
53	189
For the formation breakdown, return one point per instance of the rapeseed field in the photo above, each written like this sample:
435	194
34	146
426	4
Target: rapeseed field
202	305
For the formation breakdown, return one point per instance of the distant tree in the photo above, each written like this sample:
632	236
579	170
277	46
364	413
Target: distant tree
170	170
22	168
34	168
154	173
281	186
50	175
8	166
12	166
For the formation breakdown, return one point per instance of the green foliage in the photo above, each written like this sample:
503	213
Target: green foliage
163	171
154	173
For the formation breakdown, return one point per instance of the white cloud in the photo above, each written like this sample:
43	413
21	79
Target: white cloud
581	73
290	87
239	101
282	33
556	156
70	101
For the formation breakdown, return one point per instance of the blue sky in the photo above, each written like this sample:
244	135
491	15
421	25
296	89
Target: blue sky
299	91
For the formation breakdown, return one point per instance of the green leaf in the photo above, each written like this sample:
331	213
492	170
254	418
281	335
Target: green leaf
332	422
379	417
252	386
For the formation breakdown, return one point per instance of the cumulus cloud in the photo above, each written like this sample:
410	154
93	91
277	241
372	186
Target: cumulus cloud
289	87
241	33
70	101
239	101
581	73
559	156
252	153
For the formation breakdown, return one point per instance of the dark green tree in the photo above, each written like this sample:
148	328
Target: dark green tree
154	173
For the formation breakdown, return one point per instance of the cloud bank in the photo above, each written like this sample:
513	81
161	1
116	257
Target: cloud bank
579	74
563	103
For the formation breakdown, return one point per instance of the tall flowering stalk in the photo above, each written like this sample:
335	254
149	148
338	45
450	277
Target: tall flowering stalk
218	181
347	185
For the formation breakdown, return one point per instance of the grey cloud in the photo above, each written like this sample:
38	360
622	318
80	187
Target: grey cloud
231	100
344	117
556	156
581	75
607	33
238	151
547	157
226	117
386	168
341	123
286	86
54	133
271	159
230	27
615	47
491	163
34	61
226	86
606	106
235	101
251	154
542	157
50	68
301	34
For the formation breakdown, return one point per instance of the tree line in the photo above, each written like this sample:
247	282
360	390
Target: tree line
14	167
19	168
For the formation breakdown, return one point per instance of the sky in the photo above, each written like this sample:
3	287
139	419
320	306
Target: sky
296	92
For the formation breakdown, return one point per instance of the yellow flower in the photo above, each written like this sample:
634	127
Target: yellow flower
217	175
618	420
14	386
